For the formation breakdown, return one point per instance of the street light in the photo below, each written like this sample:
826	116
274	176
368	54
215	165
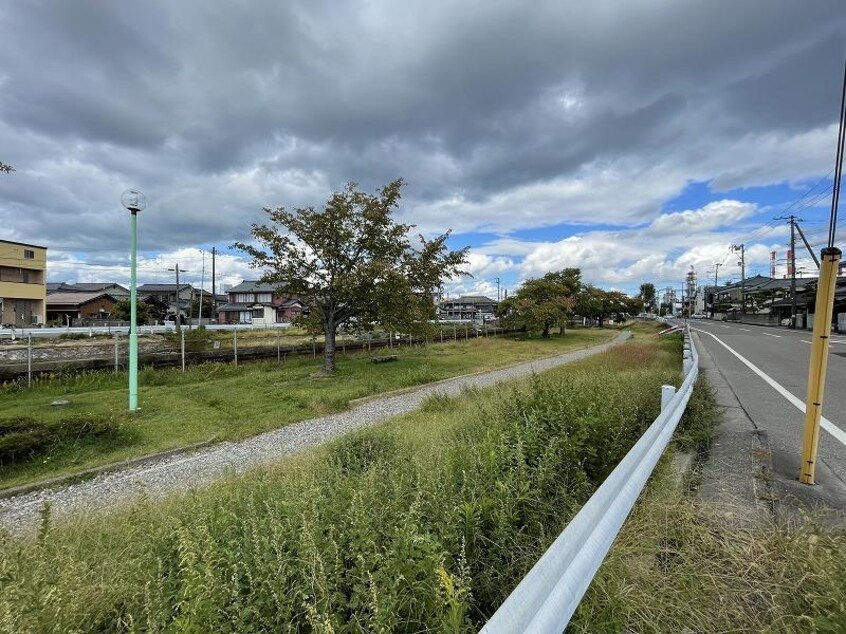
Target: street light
134	201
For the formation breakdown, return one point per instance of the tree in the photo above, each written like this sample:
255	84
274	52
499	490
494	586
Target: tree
598	304
542	303
121	310
351	263
647	296
6	168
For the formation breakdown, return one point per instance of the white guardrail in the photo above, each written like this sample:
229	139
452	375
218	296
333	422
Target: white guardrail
546	598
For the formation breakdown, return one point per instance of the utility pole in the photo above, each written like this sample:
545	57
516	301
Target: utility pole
717	266
176	316
742	249
793	271
202	283
830	258
214	289
791	258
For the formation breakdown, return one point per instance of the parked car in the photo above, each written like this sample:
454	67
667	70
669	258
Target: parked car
699	316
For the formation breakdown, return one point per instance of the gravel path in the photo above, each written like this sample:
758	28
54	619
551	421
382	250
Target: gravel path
180	472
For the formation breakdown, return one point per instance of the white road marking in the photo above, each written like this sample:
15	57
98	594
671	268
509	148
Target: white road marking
805	341
746	330
826	424
766	334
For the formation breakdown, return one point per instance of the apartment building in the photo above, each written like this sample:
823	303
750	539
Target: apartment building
23	283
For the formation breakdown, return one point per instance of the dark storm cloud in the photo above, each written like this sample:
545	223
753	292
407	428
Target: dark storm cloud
216	109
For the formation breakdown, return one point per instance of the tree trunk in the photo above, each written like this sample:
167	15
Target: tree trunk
545	333
329	348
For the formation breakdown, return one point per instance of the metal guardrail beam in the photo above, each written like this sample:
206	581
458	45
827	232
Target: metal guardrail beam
546	598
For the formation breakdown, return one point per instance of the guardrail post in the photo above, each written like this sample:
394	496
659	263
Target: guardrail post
117	362
182	347
278	349
667	394
235	344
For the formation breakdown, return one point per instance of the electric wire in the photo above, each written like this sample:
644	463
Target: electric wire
838	164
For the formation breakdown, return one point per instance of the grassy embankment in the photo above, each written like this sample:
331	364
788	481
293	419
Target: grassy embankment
424	523
220	401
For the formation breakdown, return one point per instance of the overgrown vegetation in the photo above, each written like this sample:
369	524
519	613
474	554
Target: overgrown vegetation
24	437
680	565
223	401
422	524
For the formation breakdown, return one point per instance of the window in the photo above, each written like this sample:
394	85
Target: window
263	298
258	314
29	254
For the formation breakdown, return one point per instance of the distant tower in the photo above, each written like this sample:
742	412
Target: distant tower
773	255
690	293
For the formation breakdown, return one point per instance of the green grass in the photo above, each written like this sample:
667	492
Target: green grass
424	523
224	402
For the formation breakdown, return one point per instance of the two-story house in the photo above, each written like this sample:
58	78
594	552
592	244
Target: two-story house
178	300
260	304
23	283
467	307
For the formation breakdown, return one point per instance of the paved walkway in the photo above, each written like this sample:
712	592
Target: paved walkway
181	472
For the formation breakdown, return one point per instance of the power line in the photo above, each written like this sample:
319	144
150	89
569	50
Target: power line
838	164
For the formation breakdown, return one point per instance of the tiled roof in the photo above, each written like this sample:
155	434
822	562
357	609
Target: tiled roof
477	299
233	307
74	299
98	286
161	288
252	286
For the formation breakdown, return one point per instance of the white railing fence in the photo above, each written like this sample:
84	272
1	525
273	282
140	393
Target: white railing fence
546	598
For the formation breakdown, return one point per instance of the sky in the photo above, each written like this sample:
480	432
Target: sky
633	140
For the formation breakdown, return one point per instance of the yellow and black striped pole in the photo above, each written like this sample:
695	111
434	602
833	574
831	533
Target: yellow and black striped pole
829	264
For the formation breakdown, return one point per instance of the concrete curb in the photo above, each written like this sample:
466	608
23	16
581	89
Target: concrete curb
86	474
736	476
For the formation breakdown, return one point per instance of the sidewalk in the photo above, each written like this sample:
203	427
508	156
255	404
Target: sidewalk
749	482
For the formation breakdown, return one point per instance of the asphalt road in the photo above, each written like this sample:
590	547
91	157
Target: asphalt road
783	356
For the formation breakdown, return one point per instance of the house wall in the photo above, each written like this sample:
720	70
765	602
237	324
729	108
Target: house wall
92	309
23	283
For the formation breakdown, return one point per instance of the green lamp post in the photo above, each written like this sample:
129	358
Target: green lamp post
134	201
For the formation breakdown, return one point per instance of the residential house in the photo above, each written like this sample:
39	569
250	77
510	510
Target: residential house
23	283
467	307
259	304
64	308
115	290
178	300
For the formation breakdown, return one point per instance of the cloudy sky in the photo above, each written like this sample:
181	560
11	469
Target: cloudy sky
632	139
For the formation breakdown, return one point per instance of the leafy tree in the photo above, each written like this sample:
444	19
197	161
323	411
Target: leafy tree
208	306
542	303
352	263
647	296
599	304
6	168
121	310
